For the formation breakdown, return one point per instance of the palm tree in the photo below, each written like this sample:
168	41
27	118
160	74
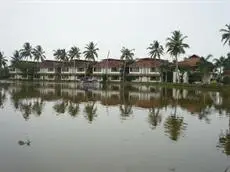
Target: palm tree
175	46
126	56
91	51
219	65
27	51
39	53
3	60
90	54
74	53
16	57
226	34
205	67
61	55
155	50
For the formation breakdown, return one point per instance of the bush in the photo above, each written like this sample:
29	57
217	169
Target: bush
226	80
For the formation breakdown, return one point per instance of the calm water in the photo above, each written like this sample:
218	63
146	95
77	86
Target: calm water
62	127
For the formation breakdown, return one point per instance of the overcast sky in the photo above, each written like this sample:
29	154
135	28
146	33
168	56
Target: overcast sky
112	24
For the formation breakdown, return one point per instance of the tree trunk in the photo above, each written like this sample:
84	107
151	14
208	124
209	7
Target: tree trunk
177	72
124	72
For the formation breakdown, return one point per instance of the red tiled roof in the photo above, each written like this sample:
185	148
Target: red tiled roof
147	62
48	64
192	61
226	72
109	63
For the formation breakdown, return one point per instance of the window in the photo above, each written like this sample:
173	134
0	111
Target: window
65	77
114	69
81	69
50	69
134	69
153	69
97	69
115	78
154	78
65	69
36	76
50	76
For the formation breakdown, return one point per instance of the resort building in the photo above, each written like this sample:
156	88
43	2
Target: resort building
110	68
139	70
146	70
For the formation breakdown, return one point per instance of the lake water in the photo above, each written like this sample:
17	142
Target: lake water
48	127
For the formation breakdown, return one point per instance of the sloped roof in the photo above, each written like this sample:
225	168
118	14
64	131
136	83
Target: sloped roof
192	61
109	63
147	62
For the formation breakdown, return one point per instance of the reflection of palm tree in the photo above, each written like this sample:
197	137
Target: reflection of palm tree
60	107
174	126
90	111
37	107
154	117
73	109
224	141
2	99
26	109
126	110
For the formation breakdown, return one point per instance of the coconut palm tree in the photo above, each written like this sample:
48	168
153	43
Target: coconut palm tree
3	60
175	46
27	51
61	55
205	67
155	50
219	65
126	56
74	53
39	53
226	34
16	57
90	53
60	107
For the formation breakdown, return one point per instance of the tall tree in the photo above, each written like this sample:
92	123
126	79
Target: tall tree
27	51
126	56
15	58
91	51
155	50
74	53
39	53
225	38
90	54
175	46
3	60
205	67
61	55
219	65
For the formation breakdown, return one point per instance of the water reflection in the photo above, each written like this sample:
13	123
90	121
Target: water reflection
30	99
182	128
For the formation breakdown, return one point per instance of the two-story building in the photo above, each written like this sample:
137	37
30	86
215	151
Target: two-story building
110	68
146	70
